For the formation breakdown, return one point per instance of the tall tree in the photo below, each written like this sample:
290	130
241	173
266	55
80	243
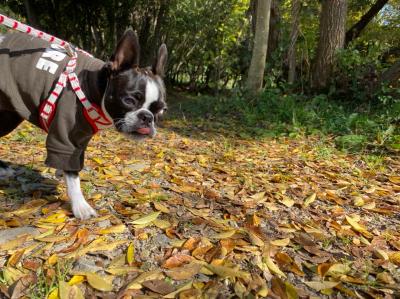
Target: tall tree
294	33
331	38
274	28
358	27
260	47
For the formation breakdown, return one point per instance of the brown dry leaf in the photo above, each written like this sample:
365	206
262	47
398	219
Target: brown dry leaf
224	271
15	258
159	286
21	287
182	288
160	207
185	272
177	261
321	285
224	235
151	275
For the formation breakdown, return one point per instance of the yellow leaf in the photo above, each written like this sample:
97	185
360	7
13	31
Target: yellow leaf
14	243
224	235
321	285
130	254
52	260
163	224
395	179
116	229
309	200
64	290
98	160
224	271
59	217
53	294
395	258
381	254
357	227
272	267
255	240
160	207
336	270
146	219
281	242
287	201
100	283
76	279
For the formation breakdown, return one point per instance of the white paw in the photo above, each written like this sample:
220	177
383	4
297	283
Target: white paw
82	210
6	173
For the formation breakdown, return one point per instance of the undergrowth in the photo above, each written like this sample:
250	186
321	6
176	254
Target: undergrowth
364	126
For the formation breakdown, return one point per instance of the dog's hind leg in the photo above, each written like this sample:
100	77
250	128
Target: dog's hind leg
8	122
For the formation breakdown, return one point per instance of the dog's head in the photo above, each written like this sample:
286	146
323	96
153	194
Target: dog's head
135	96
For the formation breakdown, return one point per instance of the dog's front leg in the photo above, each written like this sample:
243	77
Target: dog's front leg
80	207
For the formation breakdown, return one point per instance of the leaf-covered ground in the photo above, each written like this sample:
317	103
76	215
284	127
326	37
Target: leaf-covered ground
199	214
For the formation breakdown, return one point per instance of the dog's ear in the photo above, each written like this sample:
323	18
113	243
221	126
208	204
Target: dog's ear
126	55
161	61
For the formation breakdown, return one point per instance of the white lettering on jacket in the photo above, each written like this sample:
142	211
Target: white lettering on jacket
55	53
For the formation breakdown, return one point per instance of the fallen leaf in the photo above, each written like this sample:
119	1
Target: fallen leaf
321	285
146	219
130	254
159	286
357	227
100	283
309	200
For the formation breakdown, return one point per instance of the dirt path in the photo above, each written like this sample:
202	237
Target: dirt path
204	217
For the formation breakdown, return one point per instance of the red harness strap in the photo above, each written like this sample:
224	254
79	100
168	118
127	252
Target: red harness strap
93	114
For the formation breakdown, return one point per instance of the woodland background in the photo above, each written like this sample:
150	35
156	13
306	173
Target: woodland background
274	175
331	66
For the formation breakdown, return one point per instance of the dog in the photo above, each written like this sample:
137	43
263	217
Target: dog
131	98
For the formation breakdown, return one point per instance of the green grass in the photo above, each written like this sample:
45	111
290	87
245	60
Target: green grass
357	127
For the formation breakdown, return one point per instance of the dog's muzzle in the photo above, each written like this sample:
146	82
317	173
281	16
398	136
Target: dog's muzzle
146	122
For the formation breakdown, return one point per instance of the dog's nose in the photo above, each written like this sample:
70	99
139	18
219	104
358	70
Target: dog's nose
146	118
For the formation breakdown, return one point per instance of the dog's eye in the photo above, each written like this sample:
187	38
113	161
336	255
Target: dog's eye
130	101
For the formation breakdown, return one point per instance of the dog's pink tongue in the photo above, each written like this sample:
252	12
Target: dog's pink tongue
143	131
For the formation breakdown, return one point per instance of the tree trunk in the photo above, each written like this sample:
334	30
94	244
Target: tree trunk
291	56
357	28
331	39
257	65
274	29
31	14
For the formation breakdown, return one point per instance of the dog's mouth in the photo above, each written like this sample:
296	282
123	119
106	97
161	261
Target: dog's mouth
144	131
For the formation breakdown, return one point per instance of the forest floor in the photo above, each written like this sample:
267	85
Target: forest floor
201	213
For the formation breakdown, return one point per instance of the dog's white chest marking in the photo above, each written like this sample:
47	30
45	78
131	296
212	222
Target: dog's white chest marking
46	62
152	93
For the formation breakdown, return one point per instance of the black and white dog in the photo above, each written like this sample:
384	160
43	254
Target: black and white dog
129	96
